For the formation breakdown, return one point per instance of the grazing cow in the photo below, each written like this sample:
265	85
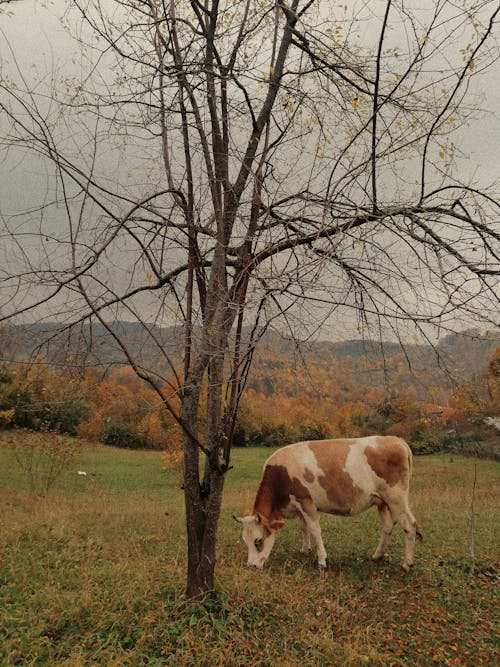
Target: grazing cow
342	477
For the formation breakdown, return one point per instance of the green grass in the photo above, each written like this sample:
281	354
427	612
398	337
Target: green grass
93	574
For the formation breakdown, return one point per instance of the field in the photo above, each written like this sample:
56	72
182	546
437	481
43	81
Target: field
93	573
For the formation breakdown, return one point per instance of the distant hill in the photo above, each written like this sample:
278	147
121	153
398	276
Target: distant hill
280	365
357	366
92	344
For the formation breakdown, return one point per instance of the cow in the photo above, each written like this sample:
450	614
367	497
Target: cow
343	477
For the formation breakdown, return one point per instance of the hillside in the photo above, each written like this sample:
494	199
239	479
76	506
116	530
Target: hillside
357	366
429	395
280	365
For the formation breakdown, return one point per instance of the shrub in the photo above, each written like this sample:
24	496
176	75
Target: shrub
6	417
173	456
121	434
93	428
263	435
313	430
152	431
41	398
21	401
65	413
43	456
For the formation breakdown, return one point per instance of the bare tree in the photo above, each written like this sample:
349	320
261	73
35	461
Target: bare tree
219	166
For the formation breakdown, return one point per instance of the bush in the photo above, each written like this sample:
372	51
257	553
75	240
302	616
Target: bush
469	445
313	430
21	401
153	433
93	428
263	435
41	398
120	434
65	413
43	456
6	417
173	457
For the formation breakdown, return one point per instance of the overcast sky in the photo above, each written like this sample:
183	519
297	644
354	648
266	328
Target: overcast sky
33	41
33	38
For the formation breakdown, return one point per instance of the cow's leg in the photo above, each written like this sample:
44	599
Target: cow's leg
402	514
306	535
387	521
309	514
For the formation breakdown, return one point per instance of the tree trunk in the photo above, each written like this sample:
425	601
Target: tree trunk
202	487
202	502
203	513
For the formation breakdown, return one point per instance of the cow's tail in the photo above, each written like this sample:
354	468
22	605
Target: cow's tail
410	460
410	469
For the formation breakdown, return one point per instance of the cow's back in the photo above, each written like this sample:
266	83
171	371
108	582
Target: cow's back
344	476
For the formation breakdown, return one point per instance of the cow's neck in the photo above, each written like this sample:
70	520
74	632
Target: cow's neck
265	500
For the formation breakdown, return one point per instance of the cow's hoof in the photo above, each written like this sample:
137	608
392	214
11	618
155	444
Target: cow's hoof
407	567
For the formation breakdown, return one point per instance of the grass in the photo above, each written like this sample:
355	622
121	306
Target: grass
93	574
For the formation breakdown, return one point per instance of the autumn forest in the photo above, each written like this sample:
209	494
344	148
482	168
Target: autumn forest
441	398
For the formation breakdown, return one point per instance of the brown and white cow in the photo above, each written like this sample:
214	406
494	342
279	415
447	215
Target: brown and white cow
342	477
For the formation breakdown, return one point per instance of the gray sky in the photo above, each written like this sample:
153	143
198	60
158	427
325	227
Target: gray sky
33	42
40	44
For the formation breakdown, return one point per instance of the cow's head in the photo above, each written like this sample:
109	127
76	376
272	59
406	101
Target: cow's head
259	534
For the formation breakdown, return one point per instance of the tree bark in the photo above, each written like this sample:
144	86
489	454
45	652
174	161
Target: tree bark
203	499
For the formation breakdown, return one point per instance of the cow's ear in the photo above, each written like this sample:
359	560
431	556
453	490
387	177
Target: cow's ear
237	518
258	518
277	524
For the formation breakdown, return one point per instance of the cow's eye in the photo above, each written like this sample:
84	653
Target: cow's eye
259	543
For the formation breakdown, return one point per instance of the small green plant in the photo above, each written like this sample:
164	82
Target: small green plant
43	456
121	434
